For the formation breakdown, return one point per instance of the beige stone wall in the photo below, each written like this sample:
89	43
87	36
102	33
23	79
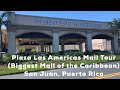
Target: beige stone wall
97	44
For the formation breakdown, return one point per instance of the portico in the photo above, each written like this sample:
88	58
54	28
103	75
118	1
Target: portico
51	33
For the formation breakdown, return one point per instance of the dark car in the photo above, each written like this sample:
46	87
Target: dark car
107	52
96	51
42	53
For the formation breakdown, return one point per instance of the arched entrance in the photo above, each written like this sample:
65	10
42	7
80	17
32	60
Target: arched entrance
72	41
33	40
103	42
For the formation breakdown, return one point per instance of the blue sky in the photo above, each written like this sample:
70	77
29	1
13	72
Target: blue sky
81	15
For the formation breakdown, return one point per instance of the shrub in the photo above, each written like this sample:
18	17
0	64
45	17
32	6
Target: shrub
74	53
61	52
101	53
6	59
33	51
21	50
88	53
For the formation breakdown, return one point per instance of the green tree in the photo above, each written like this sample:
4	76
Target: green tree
116	25
21	50
33	50
3	21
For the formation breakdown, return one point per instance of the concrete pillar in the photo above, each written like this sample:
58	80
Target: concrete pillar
11	43
88	43
39	48
62	47
49	48
0	46
17	46
45	48
114	43
80	47
55	42
0	43
42	47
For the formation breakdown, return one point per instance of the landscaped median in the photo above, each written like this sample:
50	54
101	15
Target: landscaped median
4	70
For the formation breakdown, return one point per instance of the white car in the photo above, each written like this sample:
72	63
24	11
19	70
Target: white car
3	54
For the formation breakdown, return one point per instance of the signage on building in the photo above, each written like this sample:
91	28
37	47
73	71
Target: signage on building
70	23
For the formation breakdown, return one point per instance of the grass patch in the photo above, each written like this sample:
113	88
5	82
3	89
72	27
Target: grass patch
4	70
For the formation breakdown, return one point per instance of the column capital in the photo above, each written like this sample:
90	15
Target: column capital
89	32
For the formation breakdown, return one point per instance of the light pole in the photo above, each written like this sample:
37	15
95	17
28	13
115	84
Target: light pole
4	20
1	42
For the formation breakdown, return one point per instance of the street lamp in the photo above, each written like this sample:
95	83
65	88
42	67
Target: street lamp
1	43
4	20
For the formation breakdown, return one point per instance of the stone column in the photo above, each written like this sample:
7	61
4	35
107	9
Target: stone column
49	48
80	47
17	46
39	48
42	47
62	47
45	48
114	43
55	42
88	43
0	45
11	42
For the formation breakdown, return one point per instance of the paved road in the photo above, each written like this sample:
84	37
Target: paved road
78	73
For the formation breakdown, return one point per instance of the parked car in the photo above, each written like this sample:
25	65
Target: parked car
71	51
102	52
3	54
108	52
42	53
97	50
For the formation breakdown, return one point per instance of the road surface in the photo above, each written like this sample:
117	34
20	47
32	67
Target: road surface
72	73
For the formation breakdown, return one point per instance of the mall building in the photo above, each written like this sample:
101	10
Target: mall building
49	34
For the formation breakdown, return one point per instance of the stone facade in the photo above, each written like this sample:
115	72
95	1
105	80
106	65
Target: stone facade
77	31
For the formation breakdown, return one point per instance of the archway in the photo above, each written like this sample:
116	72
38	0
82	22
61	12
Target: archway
102	42
72	41
33	40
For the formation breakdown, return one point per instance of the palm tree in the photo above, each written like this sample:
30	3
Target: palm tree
5	14
116	24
